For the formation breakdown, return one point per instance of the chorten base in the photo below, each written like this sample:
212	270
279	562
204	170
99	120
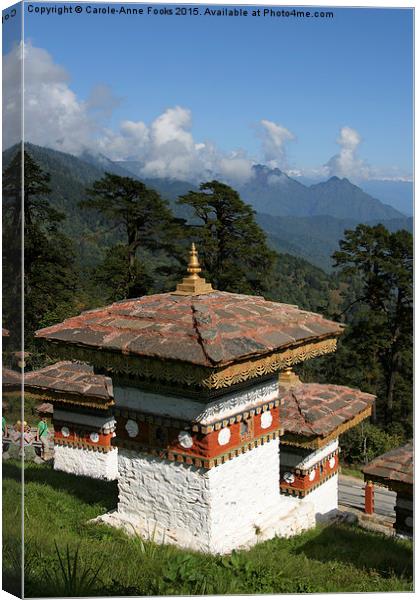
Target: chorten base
234	505
295	518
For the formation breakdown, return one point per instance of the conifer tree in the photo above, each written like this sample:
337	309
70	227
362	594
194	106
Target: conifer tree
233	248
381	317
146	222
50	278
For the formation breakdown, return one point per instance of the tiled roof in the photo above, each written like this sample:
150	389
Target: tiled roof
394	466
315	410
45	408
70	379
11	380
213	329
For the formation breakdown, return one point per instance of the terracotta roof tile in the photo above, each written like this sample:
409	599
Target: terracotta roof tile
212	329
45	408
316	410
11	380
396	465
74	378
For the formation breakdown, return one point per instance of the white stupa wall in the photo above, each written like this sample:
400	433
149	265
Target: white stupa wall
90	463
324	498
234	505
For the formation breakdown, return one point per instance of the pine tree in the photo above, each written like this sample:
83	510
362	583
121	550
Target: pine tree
381	317
50	279
233	248
146	222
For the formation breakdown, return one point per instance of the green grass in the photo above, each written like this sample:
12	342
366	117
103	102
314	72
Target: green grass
65	555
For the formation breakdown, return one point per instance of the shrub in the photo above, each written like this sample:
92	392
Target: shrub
365	442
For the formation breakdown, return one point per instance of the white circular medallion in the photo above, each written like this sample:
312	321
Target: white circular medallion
289	477
185	440
65	431
224	436
331	462
266	419
132	428
312	474
409	521
94	437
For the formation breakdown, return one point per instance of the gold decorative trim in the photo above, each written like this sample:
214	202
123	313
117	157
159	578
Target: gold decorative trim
190	375
318	441
70	399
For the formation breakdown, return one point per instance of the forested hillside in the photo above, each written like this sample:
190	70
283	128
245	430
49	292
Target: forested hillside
93	237
302	231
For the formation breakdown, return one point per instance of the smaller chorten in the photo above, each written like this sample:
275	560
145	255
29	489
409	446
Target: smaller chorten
393	470
313	416
83	418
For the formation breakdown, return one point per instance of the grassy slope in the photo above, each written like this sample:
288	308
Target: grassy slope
58	506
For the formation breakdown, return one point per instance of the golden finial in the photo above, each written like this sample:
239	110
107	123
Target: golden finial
193	284
288	378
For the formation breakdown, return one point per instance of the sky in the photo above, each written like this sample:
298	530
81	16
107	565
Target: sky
188	96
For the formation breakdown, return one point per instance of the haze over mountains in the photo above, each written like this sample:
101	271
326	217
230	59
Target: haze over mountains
304	220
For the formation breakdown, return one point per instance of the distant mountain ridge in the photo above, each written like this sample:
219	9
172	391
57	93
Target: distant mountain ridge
272	191
305	230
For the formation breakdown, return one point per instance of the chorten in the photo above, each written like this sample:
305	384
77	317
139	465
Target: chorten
195	384
83	418
313	417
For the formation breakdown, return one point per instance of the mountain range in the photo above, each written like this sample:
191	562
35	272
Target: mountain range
303	220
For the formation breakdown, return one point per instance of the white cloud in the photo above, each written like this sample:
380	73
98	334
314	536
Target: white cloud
56	118
53	114
347	163
102	101
165	147
274	138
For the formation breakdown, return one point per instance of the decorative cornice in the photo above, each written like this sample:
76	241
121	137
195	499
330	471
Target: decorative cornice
83	445
195	427
290	491
196	461
395	486
190	375
303	485
83	428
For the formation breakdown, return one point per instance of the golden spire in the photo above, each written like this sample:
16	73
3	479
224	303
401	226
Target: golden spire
193	285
